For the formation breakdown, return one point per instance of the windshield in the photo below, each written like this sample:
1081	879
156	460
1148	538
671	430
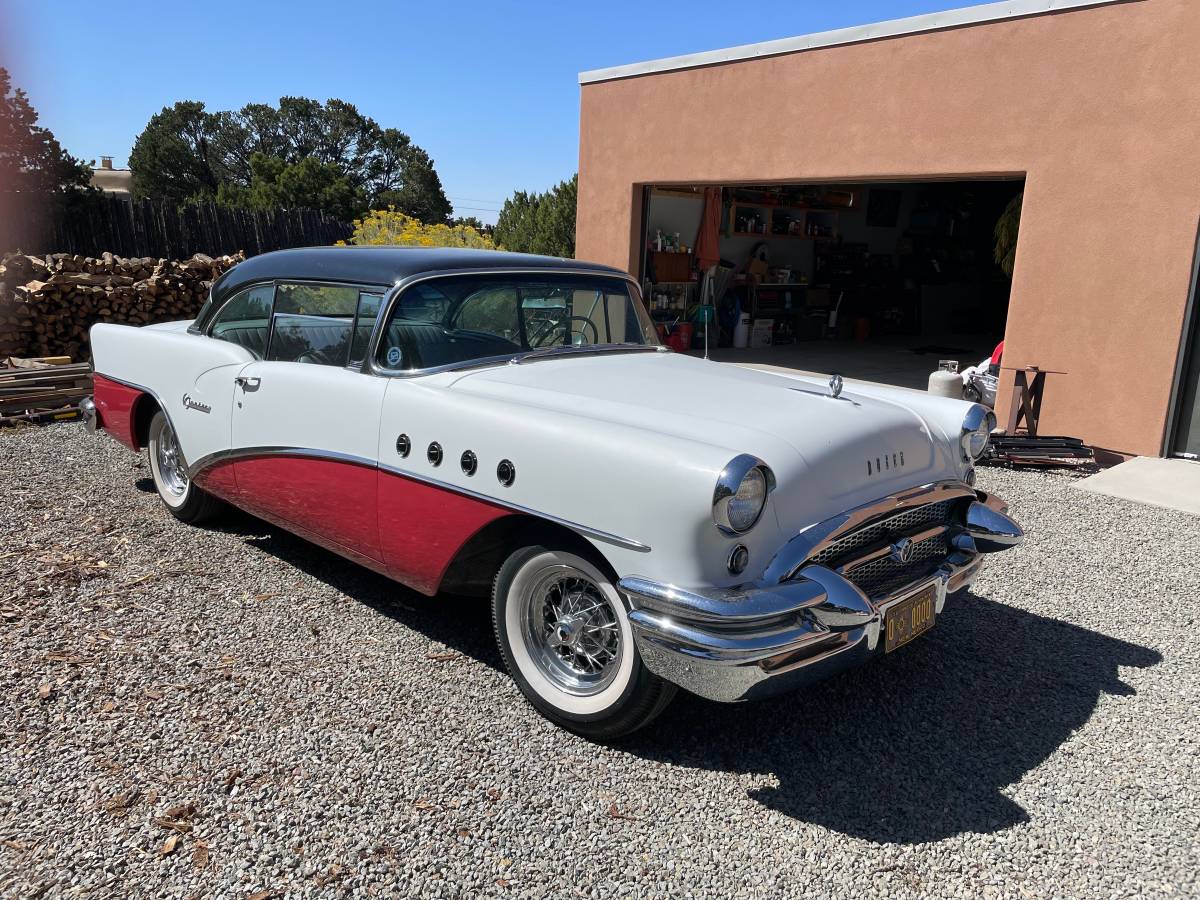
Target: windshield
470	318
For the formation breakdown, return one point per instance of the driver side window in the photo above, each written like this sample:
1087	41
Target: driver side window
316	323
245	319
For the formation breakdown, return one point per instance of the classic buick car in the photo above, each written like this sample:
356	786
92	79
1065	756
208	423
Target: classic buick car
509	425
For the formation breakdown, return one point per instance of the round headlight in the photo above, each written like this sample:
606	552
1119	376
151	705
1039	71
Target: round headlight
741	494
977	430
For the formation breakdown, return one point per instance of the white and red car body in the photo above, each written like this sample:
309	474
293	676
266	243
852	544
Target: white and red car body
622	450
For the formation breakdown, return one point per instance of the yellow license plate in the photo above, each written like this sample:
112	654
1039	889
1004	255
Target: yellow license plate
909	618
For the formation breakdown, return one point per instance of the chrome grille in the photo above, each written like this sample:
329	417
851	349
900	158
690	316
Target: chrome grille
883	575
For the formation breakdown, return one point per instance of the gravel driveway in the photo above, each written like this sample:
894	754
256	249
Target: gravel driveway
235	713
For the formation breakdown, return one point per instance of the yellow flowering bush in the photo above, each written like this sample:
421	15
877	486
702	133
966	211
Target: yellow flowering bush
387	226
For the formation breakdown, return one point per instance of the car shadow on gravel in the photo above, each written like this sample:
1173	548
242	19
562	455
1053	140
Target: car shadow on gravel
915	746
461	623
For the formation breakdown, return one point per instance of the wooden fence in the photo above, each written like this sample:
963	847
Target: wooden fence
161	229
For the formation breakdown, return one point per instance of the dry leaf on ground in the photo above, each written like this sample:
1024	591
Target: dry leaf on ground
615	813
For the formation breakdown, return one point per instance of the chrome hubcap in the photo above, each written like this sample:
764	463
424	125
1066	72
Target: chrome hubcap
170	462
571	631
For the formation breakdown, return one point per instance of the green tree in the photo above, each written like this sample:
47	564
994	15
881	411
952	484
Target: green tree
540	223
31	160
309	182
302	153
37	177
173	158
420	193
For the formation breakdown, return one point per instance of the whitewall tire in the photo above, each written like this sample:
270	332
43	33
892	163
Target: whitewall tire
565	636
168	467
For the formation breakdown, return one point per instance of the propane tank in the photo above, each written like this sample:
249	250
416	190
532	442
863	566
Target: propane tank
741	333
946	382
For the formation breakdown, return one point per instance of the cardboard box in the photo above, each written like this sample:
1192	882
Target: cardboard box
761	333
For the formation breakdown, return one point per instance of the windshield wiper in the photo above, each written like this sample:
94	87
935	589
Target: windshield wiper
574	349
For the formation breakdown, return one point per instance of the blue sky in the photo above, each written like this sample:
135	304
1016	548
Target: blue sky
489	89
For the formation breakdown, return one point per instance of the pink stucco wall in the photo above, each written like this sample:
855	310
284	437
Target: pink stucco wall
1099	108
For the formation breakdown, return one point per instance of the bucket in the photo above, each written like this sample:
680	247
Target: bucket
685	330
741	334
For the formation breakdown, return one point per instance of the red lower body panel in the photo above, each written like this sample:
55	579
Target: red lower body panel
117	407
403	528
220	479
332	499
422	527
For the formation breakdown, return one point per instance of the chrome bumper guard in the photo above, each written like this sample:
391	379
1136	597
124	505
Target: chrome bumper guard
88	413
755	640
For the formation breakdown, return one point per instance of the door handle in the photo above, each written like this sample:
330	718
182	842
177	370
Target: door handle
245	382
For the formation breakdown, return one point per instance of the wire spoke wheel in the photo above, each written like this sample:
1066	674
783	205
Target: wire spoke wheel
169	457
571	631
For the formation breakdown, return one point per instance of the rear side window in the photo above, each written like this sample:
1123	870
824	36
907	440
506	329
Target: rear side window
245	319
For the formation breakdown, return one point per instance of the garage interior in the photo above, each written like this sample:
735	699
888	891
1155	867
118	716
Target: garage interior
877	281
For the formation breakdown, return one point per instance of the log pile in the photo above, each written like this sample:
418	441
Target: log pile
48	303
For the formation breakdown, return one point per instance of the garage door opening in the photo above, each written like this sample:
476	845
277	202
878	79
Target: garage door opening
875	281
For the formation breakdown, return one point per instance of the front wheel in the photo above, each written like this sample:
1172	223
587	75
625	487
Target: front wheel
183	499
568	644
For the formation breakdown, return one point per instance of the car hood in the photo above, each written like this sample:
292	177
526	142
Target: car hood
845	450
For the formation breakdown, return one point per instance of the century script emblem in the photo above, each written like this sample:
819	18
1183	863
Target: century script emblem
196	404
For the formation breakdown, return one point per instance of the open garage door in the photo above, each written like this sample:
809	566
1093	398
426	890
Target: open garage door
878	281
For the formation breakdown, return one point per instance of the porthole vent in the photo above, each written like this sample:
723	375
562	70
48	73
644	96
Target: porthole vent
506	472
468	462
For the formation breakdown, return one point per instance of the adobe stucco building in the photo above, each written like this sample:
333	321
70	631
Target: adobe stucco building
1093	106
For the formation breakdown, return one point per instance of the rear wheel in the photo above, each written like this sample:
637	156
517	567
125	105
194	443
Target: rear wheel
566	639
183	499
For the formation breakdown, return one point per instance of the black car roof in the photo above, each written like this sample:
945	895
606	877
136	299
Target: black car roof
383	265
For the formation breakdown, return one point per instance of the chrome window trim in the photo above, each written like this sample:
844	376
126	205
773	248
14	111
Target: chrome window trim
248	452
371	365
349	318
206	331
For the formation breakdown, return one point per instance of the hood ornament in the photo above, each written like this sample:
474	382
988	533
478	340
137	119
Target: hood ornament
835	386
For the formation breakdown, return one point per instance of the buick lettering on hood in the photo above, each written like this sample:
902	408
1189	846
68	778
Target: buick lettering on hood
505	425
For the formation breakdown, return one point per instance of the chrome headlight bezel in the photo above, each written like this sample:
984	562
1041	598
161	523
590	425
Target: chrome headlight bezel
977	429
730	482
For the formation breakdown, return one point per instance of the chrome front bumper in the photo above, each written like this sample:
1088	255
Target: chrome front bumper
755	640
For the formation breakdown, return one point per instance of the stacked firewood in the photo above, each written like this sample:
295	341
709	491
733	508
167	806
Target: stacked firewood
48	303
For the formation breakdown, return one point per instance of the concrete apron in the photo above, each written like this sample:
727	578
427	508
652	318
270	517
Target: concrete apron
1170	483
